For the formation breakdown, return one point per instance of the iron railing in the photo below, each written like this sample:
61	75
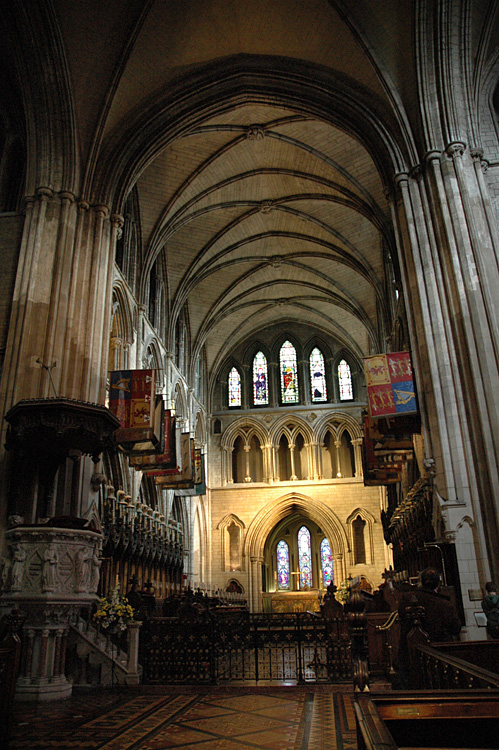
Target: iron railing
227	645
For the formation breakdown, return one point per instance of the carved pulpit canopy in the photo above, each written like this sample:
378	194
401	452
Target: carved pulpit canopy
58	426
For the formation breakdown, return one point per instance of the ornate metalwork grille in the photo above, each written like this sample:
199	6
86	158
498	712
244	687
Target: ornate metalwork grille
234	645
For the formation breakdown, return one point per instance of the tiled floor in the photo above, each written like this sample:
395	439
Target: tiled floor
218	718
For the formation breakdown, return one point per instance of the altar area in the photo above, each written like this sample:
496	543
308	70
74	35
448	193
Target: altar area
292	601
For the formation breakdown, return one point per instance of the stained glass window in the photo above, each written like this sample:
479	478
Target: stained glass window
282	565
345	381
317	376
326	562
305	557
289	376
260	380
234	388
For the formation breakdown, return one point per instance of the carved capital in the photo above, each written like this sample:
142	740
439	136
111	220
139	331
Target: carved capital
455	149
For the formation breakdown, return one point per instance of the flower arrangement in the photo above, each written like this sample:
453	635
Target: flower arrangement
113	611
342	593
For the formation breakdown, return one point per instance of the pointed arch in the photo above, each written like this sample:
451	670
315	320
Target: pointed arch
231	537
270	515
361	539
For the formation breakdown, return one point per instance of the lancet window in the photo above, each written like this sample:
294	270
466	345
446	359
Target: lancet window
234	383
289	374
305	557
260	380
345	381
317	376
283	572
326	562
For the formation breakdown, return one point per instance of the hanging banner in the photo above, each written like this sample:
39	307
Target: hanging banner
182	475
199	477
167	459
133	400
390	384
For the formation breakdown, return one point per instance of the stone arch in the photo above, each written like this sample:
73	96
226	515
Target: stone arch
272	513
181	401
246	428
290	425
369	521
199	421
231	544
338	421
151	344
121	328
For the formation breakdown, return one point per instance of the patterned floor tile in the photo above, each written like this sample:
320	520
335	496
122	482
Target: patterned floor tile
189	718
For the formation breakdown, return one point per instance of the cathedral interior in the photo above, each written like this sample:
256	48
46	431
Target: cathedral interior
247	200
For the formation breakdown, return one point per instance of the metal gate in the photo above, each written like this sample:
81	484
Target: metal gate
233	645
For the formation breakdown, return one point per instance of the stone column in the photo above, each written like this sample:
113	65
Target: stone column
337	444
357	443
256	583
247	449
293	476
133	677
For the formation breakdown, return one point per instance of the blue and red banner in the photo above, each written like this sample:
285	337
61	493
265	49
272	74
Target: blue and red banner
390	384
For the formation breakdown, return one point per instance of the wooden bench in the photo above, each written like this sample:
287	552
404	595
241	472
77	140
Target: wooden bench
455	720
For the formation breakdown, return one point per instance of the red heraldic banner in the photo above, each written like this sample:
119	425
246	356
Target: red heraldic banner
390	384
132	399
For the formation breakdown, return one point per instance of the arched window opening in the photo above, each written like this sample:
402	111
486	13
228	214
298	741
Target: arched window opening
289	374
359	543
305	558
256	460
328	457
234	382
347	456
260	380
238	461
217	427
326	563
234	532
283	572
299	454
317	376
284	457
345	381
